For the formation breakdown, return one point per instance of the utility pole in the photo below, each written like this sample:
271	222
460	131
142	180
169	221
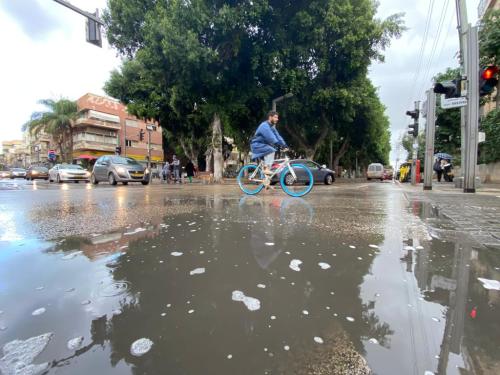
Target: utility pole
471	138
279	99
430	129
462	25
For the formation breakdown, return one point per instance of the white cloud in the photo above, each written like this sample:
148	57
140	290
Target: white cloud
48	60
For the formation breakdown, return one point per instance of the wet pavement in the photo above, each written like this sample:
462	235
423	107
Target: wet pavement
352	279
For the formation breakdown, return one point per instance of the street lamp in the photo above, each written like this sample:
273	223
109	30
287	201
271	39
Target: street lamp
279	99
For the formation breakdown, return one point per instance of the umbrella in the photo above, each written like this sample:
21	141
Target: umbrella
443	155
85	156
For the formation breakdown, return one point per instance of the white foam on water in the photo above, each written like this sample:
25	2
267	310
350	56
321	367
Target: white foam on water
136	230
324	266
352	246
273	317
251	303
305	312
190	311
350	319
176	253
295	264
419	247
373	341
359	258
141	347
373	246
269	244
490	284
436	319
75	344
202	252
19	356
262	286
197	271
428	373
318	340
71	255
229	356
409	248
39	311
286	347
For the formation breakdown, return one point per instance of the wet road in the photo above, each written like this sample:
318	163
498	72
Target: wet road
353	279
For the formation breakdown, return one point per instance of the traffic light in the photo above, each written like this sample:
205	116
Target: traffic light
118	150
488	80
413	129
93	31
141	135
413	114
450	89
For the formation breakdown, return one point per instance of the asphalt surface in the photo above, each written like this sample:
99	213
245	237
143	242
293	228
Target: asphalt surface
354	278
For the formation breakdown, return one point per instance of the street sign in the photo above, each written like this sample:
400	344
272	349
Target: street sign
151	127
453	102
481	137
51	154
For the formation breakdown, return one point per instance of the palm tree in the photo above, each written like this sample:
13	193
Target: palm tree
58	122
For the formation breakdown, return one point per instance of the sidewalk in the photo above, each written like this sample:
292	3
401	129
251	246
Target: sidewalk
474	214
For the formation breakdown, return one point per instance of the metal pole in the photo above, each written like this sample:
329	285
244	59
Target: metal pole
472	111
82	12
430	129
462	25
125	138
415	150
149	150
279	99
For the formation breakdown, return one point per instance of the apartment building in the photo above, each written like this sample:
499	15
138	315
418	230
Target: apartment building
104	124
15	153
38	146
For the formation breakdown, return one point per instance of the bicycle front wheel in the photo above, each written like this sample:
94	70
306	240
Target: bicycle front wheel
250	179
299	185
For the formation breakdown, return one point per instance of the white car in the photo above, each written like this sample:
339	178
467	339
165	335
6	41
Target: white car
68	172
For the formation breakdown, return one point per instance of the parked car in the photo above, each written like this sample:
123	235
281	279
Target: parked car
321	174
68	172
114	169
388	174
18	173
375	171
5	174
35	172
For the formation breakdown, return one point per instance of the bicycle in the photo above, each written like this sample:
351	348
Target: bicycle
295	179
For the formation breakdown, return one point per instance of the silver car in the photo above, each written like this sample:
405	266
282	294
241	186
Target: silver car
68	172
114	169
18	173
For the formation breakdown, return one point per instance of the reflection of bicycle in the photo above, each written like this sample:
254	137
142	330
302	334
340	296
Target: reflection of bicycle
295	179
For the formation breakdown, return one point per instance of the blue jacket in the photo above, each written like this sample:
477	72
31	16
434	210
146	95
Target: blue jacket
266	140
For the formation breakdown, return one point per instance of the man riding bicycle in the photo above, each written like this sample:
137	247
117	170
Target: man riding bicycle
266	141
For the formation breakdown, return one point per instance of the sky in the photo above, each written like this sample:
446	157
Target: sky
45	56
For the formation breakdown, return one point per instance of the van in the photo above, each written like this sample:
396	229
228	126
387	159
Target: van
376	171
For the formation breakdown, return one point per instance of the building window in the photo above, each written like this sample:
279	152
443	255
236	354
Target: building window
128	143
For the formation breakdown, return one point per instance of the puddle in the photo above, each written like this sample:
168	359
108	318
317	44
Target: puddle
385	296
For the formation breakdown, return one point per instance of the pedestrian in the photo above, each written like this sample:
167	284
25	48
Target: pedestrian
447	167
158	171
176	163
166	172
438	169
190	171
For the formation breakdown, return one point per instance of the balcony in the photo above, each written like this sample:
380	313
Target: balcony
92	145
85	121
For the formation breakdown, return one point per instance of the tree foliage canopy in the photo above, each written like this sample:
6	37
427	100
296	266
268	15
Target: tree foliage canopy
187	60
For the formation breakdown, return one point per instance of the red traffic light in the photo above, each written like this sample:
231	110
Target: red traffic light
489	72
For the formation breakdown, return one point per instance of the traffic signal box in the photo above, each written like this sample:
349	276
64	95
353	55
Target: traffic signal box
488	80
413	127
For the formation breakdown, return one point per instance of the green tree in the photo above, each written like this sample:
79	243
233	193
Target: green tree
58	121
489	43
202	61
489	151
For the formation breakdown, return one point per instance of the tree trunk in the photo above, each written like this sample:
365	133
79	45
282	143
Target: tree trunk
69	156
208	160
217	148
189	151
340	153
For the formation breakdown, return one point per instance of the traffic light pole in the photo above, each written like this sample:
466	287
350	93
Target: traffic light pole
471	139
430	129
462	24
415	149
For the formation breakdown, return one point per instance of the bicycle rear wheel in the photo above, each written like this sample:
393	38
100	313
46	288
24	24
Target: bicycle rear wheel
247	185
300	186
